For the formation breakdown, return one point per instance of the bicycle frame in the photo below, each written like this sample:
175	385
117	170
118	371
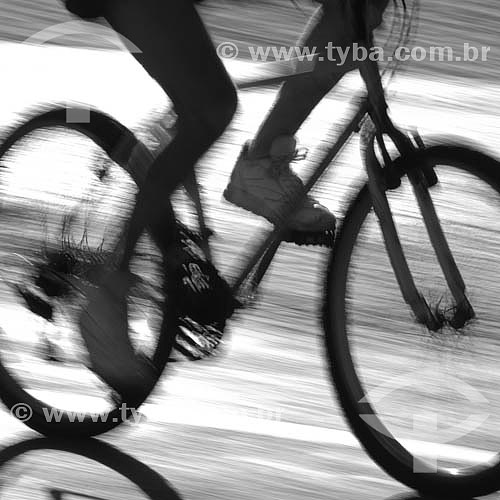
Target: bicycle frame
421	177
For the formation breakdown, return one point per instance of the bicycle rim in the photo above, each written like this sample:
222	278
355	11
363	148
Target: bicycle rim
424	405
64	201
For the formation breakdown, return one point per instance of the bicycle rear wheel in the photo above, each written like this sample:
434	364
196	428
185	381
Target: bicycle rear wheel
63	206
424	405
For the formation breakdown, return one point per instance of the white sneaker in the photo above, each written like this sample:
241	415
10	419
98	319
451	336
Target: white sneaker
266	185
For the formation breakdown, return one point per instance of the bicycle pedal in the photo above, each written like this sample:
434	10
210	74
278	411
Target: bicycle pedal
304	238
196	341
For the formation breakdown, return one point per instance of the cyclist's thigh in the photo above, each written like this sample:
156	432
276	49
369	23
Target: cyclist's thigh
177	52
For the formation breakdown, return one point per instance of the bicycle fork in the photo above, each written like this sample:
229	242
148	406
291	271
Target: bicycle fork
421	178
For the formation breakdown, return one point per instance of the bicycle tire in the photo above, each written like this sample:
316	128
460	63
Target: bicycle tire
108	134
381	446
150	482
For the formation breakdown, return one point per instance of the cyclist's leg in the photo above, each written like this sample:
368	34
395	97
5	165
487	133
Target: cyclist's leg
256	184
178	53
299	96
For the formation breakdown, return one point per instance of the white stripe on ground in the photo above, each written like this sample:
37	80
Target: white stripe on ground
199	415
79	75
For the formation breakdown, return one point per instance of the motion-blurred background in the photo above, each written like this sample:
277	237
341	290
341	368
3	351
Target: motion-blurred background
203	432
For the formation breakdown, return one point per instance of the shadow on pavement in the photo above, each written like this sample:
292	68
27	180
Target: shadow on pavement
152	484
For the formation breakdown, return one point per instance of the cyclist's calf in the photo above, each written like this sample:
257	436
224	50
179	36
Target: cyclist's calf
205	121
197	129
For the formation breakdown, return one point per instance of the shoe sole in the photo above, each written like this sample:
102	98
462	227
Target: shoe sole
252	204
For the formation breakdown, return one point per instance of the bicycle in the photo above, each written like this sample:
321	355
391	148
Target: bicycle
391	171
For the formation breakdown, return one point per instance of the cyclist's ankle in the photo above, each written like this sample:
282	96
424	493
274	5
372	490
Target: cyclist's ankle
279	145
255	154
258	149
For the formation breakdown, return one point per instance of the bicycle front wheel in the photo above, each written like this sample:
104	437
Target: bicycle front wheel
423	404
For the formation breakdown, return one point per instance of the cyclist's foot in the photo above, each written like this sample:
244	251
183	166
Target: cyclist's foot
104	328
202	299
196	287
265	185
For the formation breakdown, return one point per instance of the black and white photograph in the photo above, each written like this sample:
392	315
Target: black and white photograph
249	249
